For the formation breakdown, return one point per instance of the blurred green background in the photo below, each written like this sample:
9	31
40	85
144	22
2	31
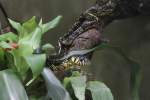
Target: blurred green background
131	35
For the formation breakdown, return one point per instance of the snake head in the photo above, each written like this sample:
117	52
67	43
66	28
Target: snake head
77	55
76	47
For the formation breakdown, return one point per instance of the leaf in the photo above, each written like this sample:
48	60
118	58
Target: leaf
30	25
135	79
15	25
99	91
36	38
37	98
33	40
1	54
25	49
36	63
5	45
55	89
9	36
50	25
78	84
30	35
18	62
40	23
47	48
30	42
11	87
2	60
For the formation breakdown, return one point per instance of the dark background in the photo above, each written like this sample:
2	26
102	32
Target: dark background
131	35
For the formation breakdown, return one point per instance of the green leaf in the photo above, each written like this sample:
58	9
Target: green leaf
1	54
50	25
78	86
5	45
25	48
41	22
48	48
30	25
37	98
99	91
55	89
18	61
2	60
15	25
36	63
11	87
135	79
36	38
33	40
9	36
30	34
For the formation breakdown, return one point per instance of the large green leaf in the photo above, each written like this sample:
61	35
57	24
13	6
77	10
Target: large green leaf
11	87
19	62
55	89
15	25
30	25
36	38
5	45
99	91
78	84
50	25
32	40
36	63
24	61
8	36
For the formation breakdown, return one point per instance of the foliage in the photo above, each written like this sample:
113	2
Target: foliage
55	89
11	87
28	39
23	67
78	88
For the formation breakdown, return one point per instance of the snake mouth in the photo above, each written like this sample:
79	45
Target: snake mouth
75	62
72	63
79	53
75	59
